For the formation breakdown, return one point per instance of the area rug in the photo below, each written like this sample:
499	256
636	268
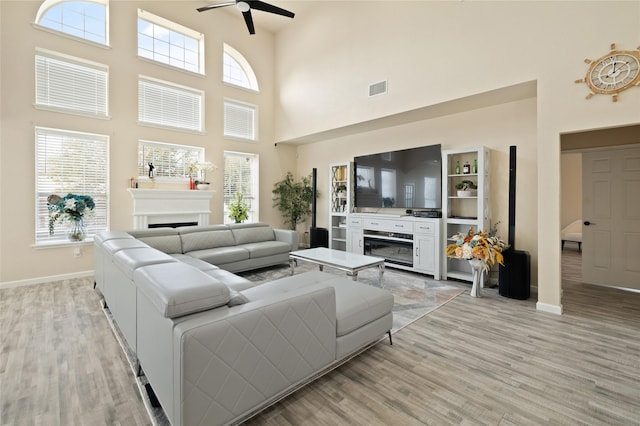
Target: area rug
414	295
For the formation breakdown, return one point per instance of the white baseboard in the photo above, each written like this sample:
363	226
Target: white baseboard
42	280
545	307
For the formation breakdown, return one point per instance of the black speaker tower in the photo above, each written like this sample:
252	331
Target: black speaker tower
318	237
515	276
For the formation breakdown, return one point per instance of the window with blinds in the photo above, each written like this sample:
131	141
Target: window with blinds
71	162
240	120
170	161
71	85
161	103
241	175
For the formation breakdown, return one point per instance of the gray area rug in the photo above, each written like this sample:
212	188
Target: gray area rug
415	295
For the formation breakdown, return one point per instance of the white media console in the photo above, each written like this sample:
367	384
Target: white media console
406	242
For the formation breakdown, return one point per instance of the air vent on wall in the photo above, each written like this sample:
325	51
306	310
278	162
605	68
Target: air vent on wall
378	88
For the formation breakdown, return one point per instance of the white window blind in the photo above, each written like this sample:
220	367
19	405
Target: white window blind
239	120
71	162
71	84
169	160
168	105
241	175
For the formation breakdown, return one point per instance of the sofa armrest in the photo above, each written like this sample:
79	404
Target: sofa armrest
234	361
288	236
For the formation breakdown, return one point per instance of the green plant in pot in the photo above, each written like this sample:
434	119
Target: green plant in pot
466	188
293	199
238	208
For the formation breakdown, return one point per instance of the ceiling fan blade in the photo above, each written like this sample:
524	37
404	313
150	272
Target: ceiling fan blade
215	6
266	7
249	20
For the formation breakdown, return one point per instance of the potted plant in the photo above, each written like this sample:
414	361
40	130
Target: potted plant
238	208
341	190
202	168
467	188
293	199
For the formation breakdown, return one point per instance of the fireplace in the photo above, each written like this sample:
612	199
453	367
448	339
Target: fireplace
161	207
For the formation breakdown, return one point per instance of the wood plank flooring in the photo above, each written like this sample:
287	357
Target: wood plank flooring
486	361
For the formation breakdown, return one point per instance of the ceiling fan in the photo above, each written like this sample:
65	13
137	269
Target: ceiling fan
245	7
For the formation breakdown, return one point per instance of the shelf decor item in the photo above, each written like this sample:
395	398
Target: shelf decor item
71	209
467	188
482	249
201	168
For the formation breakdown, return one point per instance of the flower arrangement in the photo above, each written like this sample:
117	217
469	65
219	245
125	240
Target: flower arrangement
202	167
484	245
71	208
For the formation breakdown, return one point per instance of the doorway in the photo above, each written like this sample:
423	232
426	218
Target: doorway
572	146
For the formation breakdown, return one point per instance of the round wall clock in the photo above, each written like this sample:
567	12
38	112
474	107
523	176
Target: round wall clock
613	72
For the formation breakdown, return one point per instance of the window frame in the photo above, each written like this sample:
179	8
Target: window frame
254	198
99	219
169	179
169	86
172	27
47	5
56	64
244	66
240	105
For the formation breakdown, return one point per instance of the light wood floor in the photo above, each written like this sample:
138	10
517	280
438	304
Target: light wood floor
487	361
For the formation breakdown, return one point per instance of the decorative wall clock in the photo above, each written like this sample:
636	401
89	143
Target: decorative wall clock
613	72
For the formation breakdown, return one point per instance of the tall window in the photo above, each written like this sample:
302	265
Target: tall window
170	161
161	103
71	162
240	120
71	85
241	175
84	19
236	69
169	43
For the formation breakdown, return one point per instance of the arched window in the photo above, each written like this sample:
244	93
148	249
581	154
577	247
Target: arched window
84	19
236	69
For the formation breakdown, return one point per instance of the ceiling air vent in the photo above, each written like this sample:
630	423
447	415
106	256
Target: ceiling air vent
378	88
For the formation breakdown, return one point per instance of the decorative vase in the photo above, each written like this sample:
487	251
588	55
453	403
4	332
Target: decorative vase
477	266
76	230
203	186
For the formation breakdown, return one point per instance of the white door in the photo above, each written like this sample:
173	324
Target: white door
611	217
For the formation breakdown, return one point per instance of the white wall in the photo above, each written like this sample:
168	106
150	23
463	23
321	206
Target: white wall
432	52
19	259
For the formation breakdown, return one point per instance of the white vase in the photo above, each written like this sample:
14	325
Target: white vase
477	266
203	186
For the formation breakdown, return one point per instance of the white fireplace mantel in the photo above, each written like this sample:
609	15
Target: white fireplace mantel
155	206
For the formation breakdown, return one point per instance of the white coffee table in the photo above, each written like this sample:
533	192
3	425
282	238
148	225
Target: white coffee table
350	262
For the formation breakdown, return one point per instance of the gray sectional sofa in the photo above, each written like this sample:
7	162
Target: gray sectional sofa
215	347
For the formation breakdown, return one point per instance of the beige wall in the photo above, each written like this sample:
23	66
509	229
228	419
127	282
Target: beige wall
432	52
571	188
19	259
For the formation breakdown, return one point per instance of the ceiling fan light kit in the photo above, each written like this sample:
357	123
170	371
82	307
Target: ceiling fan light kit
245	7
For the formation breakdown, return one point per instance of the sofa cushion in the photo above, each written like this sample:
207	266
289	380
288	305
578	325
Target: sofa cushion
198	263
101	237
236	298
177	289
221	255
286	284
209	237
115	245
252	233
358	304
164	239
266	248
231	280
129	260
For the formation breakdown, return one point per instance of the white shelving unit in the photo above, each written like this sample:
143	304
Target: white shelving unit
460	212
341	202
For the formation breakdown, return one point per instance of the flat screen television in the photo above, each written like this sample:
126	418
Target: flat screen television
409	179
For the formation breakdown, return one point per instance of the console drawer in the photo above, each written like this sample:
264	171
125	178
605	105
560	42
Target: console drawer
354	221
388	225
425	228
